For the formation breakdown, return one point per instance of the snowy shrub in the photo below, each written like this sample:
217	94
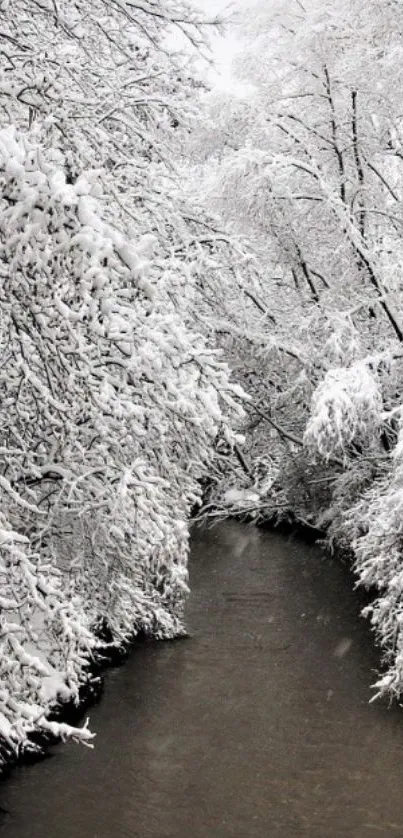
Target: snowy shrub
374	526
45	642
346	410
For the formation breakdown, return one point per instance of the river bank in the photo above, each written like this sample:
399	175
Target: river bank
110	654
258	724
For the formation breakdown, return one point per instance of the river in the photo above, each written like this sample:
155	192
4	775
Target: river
257	726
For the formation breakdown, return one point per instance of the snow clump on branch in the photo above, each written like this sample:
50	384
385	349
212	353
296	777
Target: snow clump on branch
346	410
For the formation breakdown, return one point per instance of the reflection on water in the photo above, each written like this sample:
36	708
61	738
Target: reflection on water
257	726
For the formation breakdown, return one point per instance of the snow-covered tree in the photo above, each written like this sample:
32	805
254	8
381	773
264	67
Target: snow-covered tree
111	402
307	162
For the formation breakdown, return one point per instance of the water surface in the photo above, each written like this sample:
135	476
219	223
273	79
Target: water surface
257	726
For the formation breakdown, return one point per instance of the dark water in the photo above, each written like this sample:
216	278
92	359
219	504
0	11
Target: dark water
257	726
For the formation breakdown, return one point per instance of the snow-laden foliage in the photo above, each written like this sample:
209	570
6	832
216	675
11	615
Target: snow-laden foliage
346	410
375	526
111	403
45	642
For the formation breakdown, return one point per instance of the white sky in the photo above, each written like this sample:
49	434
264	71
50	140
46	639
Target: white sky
224	46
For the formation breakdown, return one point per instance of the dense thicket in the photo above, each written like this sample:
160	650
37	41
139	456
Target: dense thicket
110	401
308	164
